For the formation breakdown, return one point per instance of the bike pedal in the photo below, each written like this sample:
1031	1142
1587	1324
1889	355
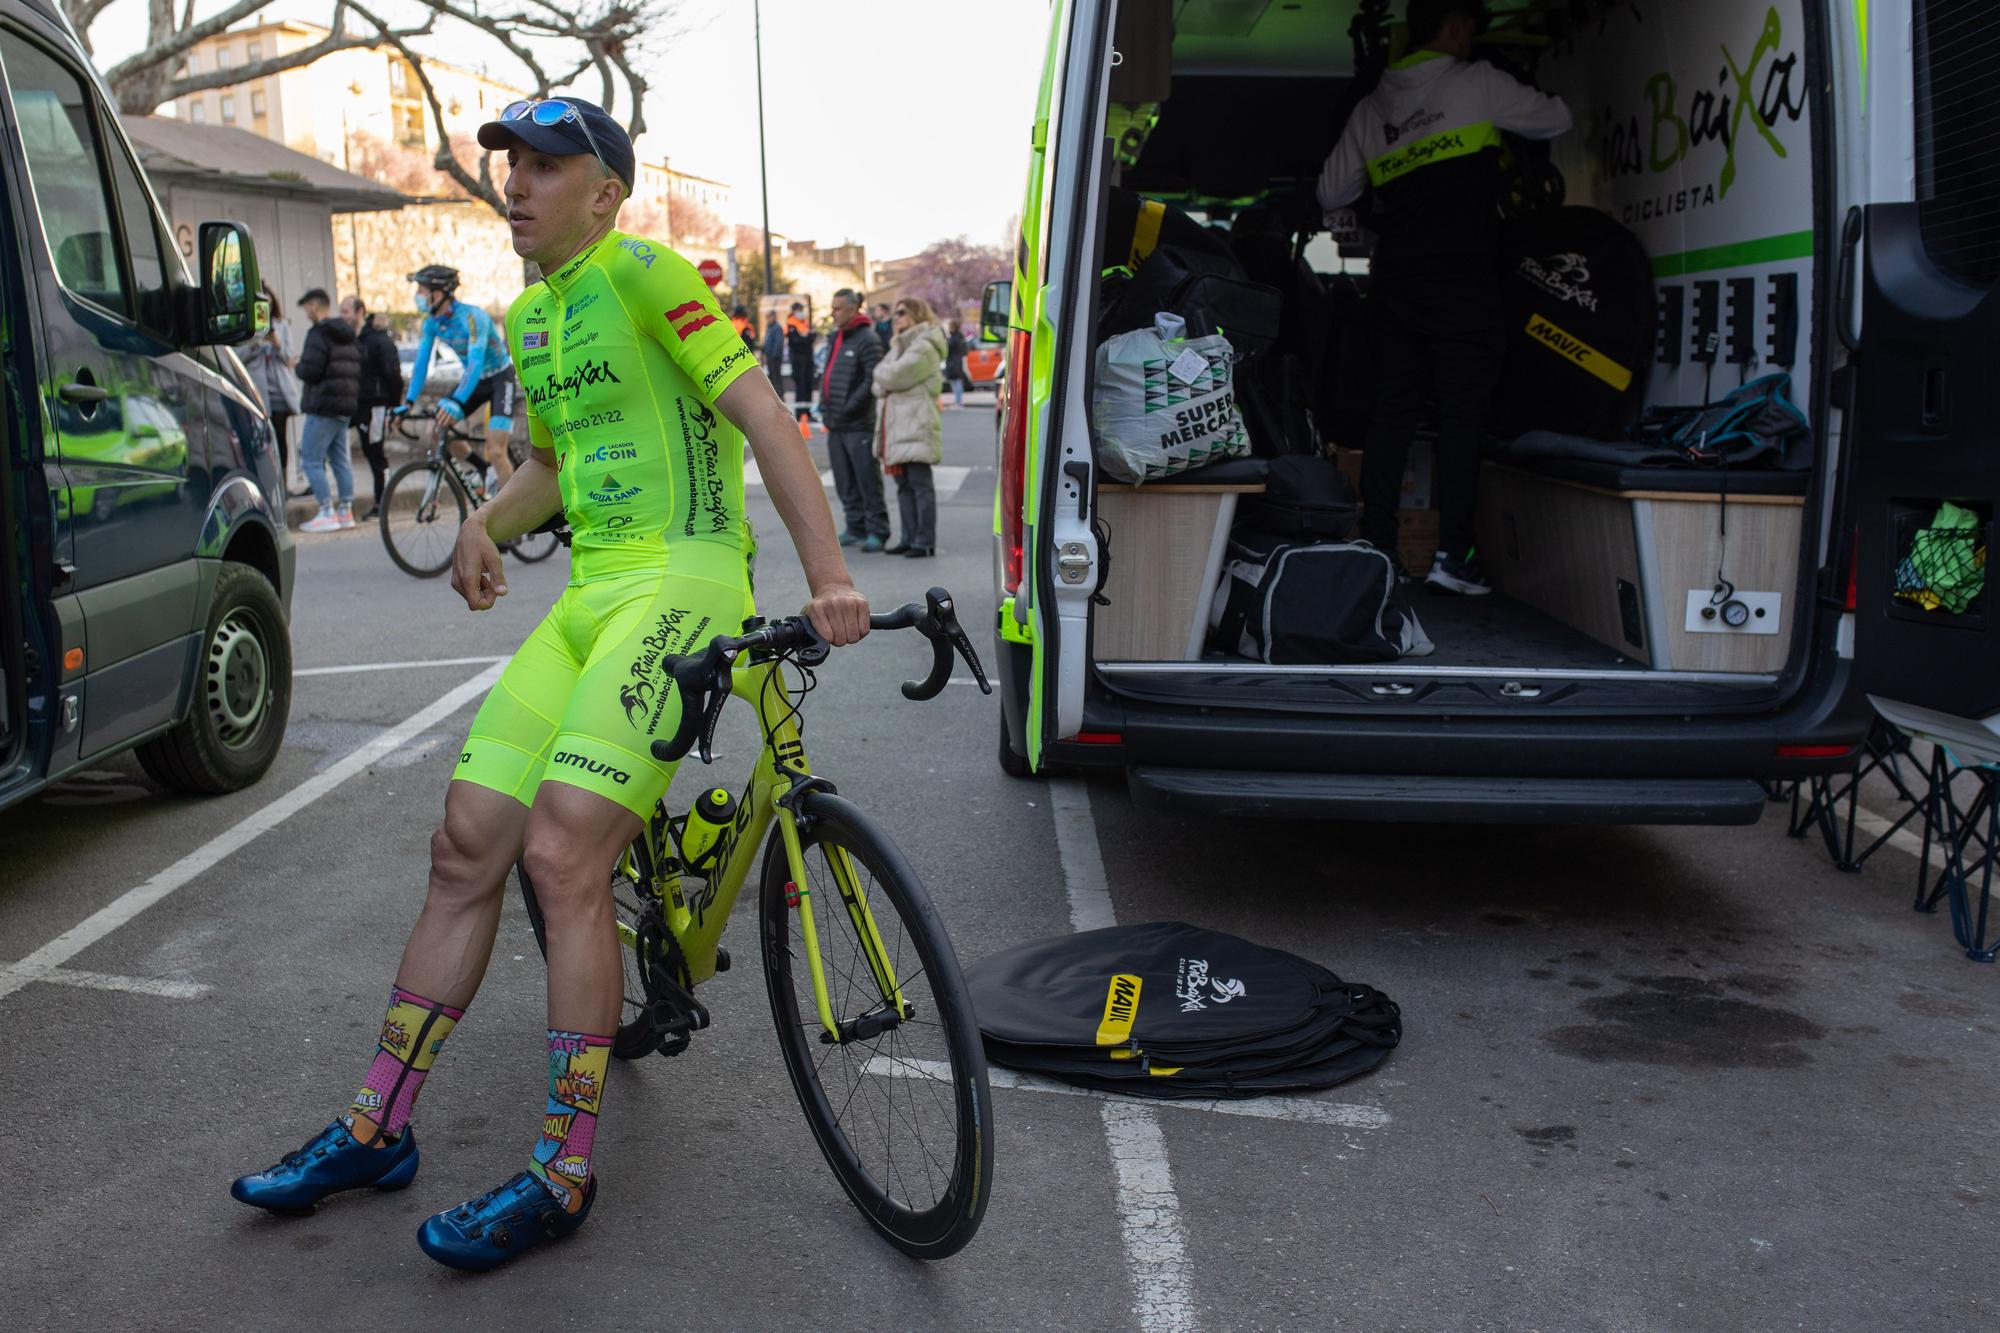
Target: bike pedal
721	959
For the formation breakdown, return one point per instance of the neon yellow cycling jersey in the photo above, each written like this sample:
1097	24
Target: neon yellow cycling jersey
622	353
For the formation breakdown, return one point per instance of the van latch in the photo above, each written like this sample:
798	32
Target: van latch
1514	689
1073	562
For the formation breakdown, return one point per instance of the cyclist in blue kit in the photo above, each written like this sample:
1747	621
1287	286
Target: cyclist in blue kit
481	346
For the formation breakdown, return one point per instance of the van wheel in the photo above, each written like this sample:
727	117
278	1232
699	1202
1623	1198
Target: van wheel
1012	764
242	696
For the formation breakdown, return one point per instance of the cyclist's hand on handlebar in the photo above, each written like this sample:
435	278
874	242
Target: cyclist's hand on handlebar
475	568
449	414
840	613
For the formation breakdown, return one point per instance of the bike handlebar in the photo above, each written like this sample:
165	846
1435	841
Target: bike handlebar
703	679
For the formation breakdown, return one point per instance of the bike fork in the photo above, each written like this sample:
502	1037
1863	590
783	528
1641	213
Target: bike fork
857	911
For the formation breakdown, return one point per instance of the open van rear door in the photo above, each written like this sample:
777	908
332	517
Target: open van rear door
1924	485
1063	559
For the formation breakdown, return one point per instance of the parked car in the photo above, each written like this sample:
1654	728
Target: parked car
445	372
148	571
1658	641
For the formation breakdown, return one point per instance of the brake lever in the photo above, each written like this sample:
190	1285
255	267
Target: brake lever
947	623
711	716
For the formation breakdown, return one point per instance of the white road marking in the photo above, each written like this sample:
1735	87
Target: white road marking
1149	1211
129	904
1874	825
396	666
946	478
160	986
1303	1110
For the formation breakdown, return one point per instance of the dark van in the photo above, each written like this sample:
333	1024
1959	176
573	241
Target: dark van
147	569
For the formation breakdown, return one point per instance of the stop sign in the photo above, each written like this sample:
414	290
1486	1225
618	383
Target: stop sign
711	272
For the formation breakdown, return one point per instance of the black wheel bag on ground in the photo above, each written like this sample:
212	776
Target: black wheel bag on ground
1172	1010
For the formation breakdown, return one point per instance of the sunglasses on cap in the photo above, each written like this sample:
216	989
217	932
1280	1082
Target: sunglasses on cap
552	111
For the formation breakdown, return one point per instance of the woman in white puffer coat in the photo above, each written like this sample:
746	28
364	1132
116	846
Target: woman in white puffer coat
909	430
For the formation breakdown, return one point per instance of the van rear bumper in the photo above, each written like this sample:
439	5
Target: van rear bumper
1408	799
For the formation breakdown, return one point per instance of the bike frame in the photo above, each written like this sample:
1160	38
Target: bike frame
696	918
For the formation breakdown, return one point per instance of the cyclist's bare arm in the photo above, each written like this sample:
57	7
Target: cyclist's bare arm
529	499
837	609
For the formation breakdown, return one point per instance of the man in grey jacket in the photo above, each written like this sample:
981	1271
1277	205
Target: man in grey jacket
847	407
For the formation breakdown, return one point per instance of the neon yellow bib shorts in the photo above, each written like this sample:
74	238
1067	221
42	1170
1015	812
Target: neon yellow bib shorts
621	355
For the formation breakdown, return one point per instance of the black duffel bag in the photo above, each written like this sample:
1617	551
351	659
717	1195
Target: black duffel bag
1304	496
1310	603
1207	290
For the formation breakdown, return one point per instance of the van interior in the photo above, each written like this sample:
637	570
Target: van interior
1693	147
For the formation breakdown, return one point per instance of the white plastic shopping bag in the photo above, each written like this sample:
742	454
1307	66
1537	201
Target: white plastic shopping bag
1164	402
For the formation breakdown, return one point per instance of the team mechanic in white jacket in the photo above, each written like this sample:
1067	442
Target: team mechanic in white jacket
1427	139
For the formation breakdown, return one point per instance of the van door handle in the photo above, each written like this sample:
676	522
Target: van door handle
83	393
1847	277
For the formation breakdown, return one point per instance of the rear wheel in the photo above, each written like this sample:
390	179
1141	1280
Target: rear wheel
900	1105
641	936
1012	762
531	547
422	510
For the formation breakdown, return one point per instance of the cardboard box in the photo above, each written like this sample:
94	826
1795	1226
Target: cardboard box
1417	539
1416	522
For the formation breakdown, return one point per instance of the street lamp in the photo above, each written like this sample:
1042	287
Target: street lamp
763	176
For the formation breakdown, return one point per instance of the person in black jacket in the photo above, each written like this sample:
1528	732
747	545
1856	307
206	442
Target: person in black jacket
381	389
330	370
954	364
847	409
799	347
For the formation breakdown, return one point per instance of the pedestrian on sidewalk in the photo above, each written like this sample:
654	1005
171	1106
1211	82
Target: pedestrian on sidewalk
774	353
954	364
268	358
885	324
330	368
381	389
910	438
799	347
847	407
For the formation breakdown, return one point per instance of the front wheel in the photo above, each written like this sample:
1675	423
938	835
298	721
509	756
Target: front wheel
899	1104
242	697
422	510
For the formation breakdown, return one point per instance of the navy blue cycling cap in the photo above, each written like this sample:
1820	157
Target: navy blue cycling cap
564	127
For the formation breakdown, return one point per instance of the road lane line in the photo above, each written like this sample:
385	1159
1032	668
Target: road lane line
1303	1110
1902	839
267	817
159	986
396	666
1149	1211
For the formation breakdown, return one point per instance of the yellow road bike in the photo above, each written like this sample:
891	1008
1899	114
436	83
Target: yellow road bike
873	1017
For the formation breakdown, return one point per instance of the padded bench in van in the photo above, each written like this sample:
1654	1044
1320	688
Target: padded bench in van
1628	555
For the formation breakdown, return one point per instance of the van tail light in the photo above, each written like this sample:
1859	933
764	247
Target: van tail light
1814	751
1014	456
1099	738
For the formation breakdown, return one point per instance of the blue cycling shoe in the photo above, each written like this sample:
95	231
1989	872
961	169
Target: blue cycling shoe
501	1225
329	1163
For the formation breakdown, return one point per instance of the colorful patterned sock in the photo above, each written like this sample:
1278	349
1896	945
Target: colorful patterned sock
577	1063
411	1034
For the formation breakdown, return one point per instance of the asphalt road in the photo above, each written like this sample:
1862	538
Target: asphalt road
1652	1078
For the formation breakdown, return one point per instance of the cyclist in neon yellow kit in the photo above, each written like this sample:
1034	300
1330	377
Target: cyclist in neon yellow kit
639	401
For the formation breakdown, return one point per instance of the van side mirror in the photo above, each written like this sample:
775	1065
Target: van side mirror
995	310
231	292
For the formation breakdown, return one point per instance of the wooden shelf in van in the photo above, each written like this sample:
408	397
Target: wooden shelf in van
1167	544
1617	564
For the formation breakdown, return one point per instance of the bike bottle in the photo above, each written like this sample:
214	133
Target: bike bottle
713	811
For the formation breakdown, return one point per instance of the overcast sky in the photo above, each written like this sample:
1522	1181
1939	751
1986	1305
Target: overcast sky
891	122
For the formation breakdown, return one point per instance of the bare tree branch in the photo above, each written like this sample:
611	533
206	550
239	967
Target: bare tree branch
480	187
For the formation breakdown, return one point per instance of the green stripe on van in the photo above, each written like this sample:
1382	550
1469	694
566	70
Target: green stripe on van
1764	250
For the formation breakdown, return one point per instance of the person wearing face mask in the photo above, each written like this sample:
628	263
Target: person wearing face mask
482	349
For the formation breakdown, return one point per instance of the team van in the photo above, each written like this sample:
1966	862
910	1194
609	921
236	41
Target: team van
1810	183
147	569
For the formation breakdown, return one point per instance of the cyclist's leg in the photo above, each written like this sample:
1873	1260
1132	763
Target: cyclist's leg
599	786
497	393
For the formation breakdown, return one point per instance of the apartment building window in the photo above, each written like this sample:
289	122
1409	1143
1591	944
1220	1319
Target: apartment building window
222	57
398	77
258	107
197	112
228	109
254	53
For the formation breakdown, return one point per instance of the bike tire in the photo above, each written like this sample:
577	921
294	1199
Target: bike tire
635	1036
533	547
938	1043
420	534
